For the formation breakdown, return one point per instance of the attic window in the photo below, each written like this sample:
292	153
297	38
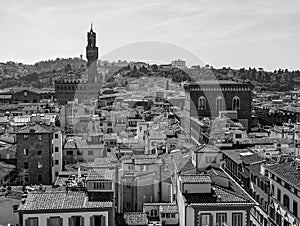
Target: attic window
25	93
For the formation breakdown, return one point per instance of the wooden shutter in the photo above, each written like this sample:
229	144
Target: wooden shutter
48	221
102	220
92	221
70	221
81	221
60	221
26	222
211	220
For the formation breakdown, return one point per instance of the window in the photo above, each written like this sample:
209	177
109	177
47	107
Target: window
25	151
238	136
25	165
56	162
25	136
286	201
56	136
286	223
39	165
278	195
56	149
76	221
237	219
54	221
98	220
173	215
278	219
15	208
210	159
25	93
39	137
39	152
90	153
69	152
221	219
168	215
206	219
153	213
202	103
40	178
32	221
295	208
219	104
236	103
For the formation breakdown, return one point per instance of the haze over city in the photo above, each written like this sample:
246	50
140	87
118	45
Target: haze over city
220	33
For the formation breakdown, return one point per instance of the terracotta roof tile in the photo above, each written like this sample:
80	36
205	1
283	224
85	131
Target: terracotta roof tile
58	200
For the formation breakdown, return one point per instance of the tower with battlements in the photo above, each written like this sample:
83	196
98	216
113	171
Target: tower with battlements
92	56
82	89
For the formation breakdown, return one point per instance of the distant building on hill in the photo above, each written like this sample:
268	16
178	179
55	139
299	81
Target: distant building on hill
179	64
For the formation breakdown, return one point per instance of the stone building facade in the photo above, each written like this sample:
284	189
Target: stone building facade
209	98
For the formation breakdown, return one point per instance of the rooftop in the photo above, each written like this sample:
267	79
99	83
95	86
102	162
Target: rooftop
286	171
219	196
195	178
37	128
136	218
100	174
60	200
207	148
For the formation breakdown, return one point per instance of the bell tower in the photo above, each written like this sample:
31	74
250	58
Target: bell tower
92	56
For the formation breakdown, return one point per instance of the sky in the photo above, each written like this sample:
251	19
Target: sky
235	33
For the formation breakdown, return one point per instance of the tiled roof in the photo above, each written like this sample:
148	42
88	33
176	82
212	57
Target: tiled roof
286	171
235	154
35	129
254	169
136	218
207	148
188	166
58	200
177	160
195	178
170	208
213	172
248	159
5	169
219	196
100	174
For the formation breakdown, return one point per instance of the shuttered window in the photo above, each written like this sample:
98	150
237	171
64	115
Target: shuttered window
54	221
98	220
32	221
76	221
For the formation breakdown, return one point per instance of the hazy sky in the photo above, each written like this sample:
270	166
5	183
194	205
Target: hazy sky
236	33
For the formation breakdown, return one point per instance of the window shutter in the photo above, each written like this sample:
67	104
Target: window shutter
61	221
70	221
211	220
81	221
26	222
48	221
102	220
92	221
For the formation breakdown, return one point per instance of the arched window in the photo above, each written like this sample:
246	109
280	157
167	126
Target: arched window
202	103
153	212
236	103
219	103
